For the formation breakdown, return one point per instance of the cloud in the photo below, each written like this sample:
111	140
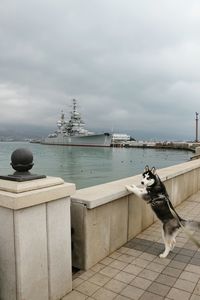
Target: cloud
133	65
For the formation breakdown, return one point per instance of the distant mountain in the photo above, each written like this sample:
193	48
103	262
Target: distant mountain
20	132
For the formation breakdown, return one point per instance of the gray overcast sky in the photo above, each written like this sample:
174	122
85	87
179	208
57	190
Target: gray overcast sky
134	65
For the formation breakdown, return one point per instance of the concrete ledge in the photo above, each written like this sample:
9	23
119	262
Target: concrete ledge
19	187
104	217
27	194
104	193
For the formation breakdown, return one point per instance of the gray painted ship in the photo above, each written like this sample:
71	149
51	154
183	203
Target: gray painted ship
73	133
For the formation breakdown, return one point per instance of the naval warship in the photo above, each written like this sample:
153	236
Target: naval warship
73	133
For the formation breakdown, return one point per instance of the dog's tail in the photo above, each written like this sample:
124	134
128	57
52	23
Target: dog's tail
191	225
188	225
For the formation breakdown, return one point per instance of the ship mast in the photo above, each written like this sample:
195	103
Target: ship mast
74	105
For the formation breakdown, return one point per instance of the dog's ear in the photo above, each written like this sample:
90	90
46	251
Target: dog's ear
146	169
153	170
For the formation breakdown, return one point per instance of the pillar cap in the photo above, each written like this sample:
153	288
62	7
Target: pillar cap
18	195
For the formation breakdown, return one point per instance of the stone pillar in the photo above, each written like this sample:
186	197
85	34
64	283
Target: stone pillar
35	239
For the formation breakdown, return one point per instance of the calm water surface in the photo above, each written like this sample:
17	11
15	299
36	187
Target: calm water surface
86	166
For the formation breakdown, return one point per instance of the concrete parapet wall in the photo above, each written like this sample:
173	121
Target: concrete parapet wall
35	239
106	216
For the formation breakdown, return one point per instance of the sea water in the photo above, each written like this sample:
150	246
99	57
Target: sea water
88	166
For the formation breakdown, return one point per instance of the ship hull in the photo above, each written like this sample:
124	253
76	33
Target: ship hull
96	140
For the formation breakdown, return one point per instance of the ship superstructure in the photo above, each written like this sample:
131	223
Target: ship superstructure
72	132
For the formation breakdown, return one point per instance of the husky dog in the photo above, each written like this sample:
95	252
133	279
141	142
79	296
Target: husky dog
155	194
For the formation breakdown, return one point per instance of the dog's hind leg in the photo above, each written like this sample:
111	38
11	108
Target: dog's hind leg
169	240
173	241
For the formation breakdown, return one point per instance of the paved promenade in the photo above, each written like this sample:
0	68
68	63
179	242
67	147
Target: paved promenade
136	272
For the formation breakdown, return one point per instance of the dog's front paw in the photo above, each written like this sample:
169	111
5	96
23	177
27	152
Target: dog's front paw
131	188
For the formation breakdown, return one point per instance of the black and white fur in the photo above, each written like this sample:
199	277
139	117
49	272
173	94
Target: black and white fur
155	194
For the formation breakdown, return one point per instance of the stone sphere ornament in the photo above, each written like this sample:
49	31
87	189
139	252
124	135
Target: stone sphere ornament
22	160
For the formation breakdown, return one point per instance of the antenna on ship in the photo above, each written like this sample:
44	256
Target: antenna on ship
197	126
74	105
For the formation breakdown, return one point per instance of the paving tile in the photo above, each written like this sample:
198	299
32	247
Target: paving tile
103	294
155	251
98	267
87	288
148	274
197	254
171	255
194	297
182	245
141	283
187	252
195	261
176	249
118	264
120	297
134	252
139	241
148	237
86	275
115	285
162	261
140	262
141	247
126	258
148	256
133	269
166	279
74	295
77	274
109	271
124	277
189	276
182	258
130	244
76	282
197	289
190	246
177	264
171	272
122	250
177	294
185	285
99	279
192	268
132	292
115	255
106	261
156	267
159	289
151	296
158	246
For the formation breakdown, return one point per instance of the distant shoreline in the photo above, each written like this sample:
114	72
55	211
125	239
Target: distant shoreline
159	145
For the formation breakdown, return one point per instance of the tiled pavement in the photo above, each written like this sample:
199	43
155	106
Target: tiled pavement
136	272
